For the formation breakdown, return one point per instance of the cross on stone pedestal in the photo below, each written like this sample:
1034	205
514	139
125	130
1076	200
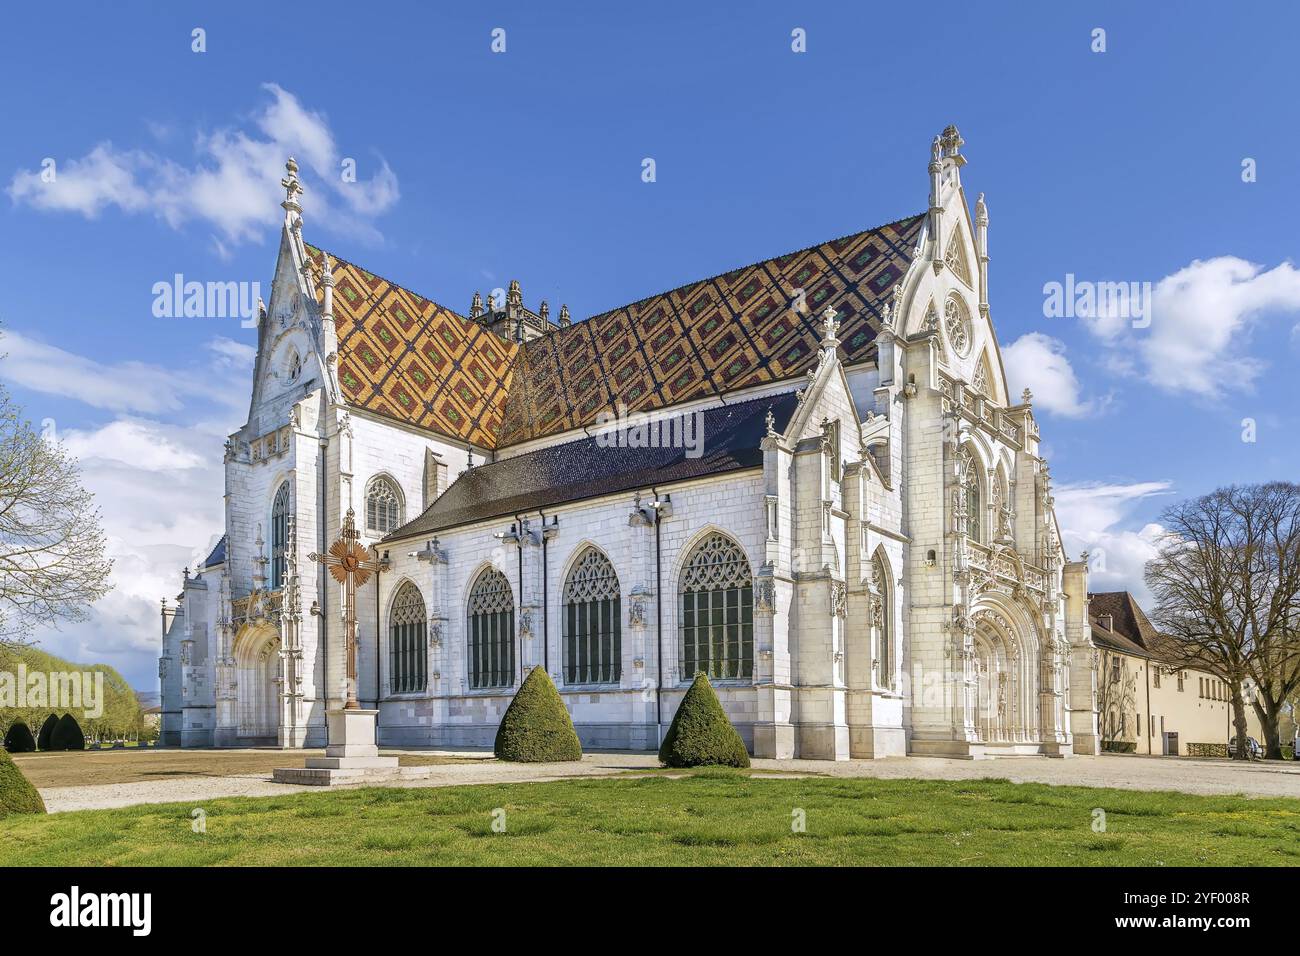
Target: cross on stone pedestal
350	565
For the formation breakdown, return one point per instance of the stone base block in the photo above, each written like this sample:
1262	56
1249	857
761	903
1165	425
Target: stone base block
869	743
351	733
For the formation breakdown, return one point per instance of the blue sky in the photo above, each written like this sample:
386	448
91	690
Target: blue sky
475	168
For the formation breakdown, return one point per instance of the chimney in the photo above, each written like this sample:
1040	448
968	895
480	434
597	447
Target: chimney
1107	621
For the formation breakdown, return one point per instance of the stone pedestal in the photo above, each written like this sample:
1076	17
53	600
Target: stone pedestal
350	757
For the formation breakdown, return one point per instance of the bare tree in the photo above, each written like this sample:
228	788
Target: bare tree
52	561
1227	585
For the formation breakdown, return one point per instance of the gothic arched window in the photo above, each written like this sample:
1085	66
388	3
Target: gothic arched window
491	630
717	608
882	612
407	642
974	501
279	535
593	647
383	506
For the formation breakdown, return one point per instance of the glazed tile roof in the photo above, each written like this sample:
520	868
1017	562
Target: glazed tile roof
407	357
730	437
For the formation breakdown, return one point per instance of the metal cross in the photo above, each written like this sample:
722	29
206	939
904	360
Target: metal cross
350	565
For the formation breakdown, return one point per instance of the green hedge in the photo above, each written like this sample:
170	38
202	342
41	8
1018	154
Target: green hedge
536	727
67	735
47	730
700	734
19	739
17	795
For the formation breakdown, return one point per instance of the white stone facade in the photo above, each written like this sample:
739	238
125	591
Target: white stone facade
910	592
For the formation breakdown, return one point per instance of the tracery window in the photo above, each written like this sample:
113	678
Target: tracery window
956	322
407	642
491	631
717	611
593	646
279	535
955	258
383	506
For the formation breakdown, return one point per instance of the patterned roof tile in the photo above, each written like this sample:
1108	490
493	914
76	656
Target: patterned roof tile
405	356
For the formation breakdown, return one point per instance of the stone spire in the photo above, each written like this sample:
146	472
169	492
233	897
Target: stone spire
565	321
982	252
545	312
476	307
514	297
327	283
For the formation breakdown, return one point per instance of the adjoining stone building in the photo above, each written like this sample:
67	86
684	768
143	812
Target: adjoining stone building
804	477
1146	704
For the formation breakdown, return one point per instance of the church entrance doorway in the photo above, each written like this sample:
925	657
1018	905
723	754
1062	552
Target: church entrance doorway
257	675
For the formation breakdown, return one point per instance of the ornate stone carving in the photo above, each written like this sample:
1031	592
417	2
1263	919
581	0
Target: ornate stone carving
839	599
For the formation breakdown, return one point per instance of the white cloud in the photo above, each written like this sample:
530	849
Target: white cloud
160	490
234	186
1201	319
1092	517
1038	362
116	386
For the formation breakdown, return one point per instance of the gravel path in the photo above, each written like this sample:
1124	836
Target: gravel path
1125	772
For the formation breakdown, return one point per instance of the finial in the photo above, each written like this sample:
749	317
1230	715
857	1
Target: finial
564	316
1026	396
886	317
326	271
476	307
470	463
936	150
514	297
951	141
981	212
545	312
292	188
771	423
829	328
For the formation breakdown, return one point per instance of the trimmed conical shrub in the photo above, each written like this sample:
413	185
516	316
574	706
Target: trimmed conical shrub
536	727
19	739
67	735
47	730
700	734
17	795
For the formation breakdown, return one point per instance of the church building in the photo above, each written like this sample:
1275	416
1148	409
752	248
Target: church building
805	478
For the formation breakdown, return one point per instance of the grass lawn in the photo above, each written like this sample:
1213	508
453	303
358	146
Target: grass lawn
709	817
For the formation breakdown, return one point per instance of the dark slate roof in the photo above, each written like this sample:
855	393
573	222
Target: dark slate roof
583	469
218	555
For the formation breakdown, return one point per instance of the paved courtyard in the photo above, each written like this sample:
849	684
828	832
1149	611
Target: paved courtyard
168	776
